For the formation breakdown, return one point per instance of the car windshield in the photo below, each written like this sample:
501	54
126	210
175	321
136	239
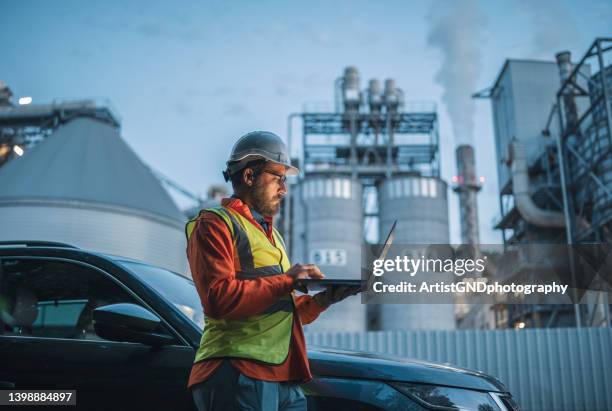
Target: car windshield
177	289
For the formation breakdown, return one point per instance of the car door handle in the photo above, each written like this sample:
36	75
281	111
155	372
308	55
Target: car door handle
7	384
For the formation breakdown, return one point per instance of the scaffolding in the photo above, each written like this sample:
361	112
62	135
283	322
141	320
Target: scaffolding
584	143
371	145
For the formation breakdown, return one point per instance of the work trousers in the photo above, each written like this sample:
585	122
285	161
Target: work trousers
229	390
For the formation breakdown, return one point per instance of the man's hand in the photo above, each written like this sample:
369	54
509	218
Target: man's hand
302	271
335	294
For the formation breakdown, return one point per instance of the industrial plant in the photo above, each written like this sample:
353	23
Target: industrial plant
369	161
371	158
374	158
553	123
66	175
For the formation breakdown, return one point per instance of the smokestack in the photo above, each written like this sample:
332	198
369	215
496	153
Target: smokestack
467	186
564	62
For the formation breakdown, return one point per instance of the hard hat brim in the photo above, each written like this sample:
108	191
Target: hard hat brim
289	169
240	162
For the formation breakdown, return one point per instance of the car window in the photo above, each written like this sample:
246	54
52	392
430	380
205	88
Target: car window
176	289
55	299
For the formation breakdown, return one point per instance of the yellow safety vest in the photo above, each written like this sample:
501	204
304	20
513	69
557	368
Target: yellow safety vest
265	336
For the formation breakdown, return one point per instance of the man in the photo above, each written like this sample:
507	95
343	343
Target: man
252	355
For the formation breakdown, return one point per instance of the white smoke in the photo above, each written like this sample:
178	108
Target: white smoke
457	30
554	28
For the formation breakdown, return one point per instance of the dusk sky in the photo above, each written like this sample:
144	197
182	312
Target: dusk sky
188	78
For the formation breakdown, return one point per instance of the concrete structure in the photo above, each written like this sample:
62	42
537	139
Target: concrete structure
521	99
84	186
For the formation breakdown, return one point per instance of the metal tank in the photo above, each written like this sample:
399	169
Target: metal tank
394	97
328	231
419	204
351	94
375	98
84	186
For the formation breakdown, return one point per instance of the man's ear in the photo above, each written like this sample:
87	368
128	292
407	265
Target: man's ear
248	176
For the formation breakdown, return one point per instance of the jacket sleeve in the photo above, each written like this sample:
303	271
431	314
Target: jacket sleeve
210	253
307	308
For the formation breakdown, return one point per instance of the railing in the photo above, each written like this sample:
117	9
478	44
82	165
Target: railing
545	369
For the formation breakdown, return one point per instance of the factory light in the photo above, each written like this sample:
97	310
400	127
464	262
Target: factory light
25	101
482	179
520	325
4	150
18	150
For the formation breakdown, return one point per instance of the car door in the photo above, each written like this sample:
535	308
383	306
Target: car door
47	340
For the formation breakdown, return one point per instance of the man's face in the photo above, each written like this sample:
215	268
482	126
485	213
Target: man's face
268	190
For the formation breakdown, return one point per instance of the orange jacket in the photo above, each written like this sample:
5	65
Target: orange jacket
211	258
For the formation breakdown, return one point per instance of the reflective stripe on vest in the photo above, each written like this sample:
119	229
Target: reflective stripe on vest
266	336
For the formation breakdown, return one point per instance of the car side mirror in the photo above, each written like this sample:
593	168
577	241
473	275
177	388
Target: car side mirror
129	323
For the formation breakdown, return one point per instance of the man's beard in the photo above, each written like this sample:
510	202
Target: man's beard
261	204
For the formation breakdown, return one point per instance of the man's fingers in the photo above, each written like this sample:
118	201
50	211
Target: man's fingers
314	272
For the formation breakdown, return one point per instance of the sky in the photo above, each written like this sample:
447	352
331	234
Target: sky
188	78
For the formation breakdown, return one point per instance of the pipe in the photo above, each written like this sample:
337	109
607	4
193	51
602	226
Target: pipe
287	217
569	229
522	199
534	214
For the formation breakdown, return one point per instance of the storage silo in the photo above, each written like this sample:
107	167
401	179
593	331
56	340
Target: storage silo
328	231
84	186
419	204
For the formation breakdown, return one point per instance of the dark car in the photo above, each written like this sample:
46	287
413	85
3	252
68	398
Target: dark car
123	334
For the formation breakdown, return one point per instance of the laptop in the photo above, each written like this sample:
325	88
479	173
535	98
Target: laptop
314	284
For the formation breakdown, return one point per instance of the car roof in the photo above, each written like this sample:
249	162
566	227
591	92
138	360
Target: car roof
38	244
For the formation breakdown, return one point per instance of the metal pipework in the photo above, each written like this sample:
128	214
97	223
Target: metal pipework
564	62
375	101
520	187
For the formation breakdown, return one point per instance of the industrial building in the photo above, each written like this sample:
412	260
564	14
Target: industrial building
552	124
371	160
68	176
